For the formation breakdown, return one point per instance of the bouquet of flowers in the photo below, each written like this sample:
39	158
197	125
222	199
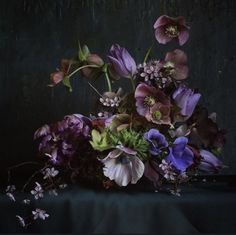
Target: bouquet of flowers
158	130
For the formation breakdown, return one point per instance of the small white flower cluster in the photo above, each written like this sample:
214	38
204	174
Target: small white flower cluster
168	170
40	214
50	173
38	191
110	102
104	114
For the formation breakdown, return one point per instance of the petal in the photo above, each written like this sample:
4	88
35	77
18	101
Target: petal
162	20
118	67
137	169
179	145
183	36
128	62
152	172
180	72
161	36
126	150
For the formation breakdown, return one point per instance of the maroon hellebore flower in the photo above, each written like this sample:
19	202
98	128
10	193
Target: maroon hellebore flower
175	65
153	104
168	28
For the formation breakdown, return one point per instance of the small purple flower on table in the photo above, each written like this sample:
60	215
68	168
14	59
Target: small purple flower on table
175	65
40	214
121	61
123	166
186	99
169	28
209	163
156	140
180	156
153	104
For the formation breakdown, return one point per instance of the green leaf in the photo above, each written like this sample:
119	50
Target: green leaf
66	82
83	52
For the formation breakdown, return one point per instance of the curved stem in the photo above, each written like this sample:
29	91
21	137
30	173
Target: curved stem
108	81
82	67
132	82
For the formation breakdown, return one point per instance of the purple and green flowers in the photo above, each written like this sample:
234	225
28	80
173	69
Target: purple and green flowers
157	130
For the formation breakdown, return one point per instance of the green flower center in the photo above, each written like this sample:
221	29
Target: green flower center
157	115
169	68
172	31
149	101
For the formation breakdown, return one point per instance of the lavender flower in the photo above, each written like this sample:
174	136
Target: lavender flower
209	163
168	171
121	61
50	173
180	156
40	214
38	191
168	28
156	141
187	100
123	166
153	104
111	99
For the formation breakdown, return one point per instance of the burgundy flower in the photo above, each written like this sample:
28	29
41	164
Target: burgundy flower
168	28
121	61
175	65
153	104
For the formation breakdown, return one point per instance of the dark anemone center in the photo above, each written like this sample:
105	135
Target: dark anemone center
123	159
172	31
149	101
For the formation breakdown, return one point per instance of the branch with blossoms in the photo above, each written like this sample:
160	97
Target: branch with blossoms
158	130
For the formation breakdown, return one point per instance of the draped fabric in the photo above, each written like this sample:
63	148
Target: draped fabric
203	207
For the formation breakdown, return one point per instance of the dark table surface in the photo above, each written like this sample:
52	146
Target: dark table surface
203	207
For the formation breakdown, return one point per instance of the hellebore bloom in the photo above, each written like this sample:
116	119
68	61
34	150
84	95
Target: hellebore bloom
153	104
186	99
175	65
168	28
122	62
180	156
123	166
156	141
209	163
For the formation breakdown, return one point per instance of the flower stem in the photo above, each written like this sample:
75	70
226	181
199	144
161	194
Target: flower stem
132	82
82	67
108	81
148	53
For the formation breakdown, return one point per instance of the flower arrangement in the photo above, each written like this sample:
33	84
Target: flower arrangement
158	130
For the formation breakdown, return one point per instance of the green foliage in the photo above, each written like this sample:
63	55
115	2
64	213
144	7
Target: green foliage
132	139
83	52
66	82
100	141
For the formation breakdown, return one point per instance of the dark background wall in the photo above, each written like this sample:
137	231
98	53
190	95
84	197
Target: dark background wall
36	34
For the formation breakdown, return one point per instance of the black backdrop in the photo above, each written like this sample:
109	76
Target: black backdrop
36	34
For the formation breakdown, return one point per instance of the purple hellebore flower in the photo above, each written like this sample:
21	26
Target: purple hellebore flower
168	28
123	166
175	65
209	163
122	62
186	99
153	104
156	140
180	156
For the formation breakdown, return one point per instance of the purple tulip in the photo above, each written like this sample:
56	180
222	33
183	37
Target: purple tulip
168	28
209	163
123	166
122	62
180	156
156	140
186	99
153	104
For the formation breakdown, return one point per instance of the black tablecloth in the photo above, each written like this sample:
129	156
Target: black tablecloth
204	207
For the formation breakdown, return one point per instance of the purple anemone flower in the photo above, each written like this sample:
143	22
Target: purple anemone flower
175	65
209	163
156	140
180	156
121	61
168	28
153	104
186	99
123	166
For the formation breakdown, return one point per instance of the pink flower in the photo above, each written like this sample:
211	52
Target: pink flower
168	28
